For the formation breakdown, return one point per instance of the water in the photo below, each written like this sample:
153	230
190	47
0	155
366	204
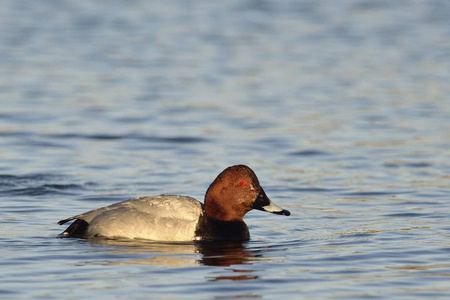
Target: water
342	109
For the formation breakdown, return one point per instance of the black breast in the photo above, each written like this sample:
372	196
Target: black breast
209	229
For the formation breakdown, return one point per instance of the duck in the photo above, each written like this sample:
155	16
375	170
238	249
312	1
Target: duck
176	218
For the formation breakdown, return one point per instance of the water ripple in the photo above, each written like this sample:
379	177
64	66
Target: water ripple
61	189
153	139
36	185
309	153
374	193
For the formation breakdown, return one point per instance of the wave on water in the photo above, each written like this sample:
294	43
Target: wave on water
36	185
154	139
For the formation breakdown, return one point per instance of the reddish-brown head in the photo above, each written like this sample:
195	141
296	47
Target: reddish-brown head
236	191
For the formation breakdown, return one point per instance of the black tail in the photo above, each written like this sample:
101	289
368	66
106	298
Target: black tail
65	221
76	229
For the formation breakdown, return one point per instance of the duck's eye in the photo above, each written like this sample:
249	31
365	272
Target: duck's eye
242	183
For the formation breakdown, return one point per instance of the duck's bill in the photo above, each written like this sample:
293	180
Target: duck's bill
263	203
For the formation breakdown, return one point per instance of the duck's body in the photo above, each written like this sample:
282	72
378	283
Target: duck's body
181	218
166	218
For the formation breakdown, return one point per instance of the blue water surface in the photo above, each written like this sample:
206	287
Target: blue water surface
342	109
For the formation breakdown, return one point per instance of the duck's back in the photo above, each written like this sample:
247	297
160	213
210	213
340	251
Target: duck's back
161	218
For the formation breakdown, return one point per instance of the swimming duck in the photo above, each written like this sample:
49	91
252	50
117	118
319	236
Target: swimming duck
234	192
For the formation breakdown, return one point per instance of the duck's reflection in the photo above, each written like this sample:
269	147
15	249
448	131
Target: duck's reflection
176	254
226	254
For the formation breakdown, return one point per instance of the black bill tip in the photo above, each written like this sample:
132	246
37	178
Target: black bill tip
282	212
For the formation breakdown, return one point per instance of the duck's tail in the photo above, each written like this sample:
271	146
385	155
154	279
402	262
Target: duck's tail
76	229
